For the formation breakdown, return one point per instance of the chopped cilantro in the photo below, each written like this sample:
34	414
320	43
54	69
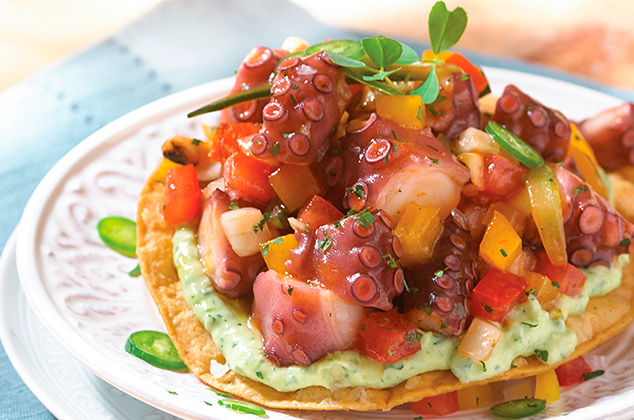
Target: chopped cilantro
233	206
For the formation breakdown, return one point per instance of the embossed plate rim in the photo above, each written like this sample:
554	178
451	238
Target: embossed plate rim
52	316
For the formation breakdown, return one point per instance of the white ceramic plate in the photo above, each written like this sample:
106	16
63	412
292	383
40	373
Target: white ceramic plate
81	292
65	387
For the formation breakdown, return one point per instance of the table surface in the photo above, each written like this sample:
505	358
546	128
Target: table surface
48	114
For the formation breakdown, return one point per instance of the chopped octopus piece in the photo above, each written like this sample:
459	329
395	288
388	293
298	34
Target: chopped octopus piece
458	110
308	97
595	231
389	166
300	322
439	297
546	129
355	258
230	274
256	69
611	135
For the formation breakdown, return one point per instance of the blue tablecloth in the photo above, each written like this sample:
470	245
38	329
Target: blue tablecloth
181	43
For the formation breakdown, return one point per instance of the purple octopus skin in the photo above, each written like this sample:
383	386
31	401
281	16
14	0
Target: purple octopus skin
546	129
300	322
353	258
256	69
387	166
595	231
439	297
458	110
308	97
230	274
611	135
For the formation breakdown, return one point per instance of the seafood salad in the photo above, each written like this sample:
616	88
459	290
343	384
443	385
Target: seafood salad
367	226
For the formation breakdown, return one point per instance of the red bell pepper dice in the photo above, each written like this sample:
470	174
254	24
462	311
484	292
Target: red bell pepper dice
249	177
497	294
568	278
438	405
572	372
182	195
501	176
387	336
319	212
477	76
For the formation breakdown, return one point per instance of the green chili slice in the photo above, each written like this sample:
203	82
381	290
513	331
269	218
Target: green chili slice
156	348
518	409
514	145
242	407
349	48
119	234
257	92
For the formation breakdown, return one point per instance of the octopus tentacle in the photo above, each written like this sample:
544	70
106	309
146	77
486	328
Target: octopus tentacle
230	274
308	99
458	110
595	231
256	69
546	129
439	291
611	135
355	257
388	166
301	323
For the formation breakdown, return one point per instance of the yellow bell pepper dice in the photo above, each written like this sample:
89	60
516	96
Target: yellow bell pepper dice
417	230
585	161
475	397
501	245
406	110
277	251
579	142
547	386
160	173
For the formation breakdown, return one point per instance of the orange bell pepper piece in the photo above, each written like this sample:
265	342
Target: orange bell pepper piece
501	245
295	185
277	251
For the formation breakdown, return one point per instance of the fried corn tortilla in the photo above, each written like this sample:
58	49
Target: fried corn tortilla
604	317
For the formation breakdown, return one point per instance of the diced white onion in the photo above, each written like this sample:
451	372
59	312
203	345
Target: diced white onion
479	340
473	140
245	230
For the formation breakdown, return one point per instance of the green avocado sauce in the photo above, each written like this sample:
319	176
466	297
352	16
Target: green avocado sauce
241	344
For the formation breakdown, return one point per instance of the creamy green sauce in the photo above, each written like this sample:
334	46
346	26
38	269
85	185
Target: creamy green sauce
241	344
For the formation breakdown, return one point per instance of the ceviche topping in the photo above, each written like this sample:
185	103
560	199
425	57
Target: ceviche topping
362	215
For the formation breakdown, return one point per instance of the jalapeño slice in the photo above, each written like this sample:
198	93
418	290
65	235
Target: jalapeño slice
518	409
514	145
119	234
156	348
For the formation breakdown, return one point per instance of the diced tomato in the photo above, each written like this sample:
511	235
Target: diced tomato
438	405
568	278
182	195
387	336
501	176
497	294
319	212
572	372
225	139
249	177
